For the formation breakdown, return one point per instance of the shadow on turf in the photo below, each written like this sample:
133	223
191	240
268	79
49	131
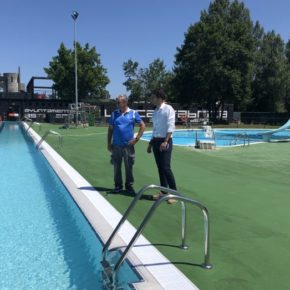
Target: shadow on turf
171	262
108	191
158	245
93	188
163	263
174	263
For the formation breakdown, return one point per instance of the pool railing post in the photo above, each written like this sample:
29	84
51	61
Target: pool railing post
183	245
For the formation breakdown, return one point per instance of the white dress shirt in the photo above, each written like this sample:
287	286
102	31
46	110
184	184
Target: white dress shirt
163	121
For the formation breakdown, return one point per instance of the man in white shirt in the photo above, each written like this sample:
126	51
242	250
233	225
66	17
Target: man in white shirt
163	126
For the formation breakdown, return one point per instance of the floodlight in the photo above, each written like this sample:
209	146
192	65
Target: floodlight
75	15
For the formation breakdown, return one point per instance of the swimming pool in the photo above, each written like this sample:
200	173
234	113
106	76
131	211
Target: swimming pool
45	241
223	137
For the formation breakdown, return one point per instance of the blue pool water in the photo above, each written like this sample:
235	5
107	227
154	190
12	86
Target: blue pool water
45	241
222	137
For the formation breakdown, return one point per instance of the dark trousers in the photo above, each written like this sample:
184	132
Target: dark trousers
163	162
127	154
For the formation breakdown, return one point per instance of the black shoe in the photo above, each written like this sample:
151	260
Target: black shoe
117	189
130	189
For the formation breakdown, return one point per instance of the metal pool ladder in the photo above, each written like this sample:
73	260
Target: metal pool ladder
60	138
34	123
172	194
31	123
30	120
241	136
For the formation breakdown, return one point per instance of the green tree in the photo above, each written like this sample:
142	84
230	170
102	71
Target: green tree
134	81
214	65
92	78
270	79
141	81
287	97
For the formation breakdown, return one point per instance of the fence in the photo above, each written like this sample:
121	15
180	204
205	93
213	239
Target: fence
266	118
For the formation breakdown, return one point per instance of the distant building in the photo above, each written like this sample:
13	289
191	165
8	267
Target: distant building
37	99
40	103
11	83
42	91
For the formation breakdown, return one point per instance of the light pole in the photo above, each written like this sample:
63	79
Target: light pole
74	16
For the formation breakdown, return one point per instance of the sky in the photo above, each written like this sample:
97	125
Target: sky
143	30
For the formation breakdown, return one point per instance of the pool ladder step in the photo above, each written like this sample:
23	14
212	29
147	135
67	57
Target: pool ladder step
111	270
60	138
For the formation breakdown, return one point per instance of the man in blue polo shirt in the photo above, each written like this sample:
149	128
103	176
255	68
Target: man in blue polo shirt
121	130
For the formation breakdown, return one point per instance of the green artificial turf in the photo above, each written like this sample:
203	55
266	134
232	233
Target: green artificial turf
247	193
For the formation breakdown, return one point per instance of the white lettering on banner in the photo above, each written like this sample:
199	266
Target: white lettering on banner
182	113
149	113
31	116
192	115
140	113
225	114
200	114
106	115
44	111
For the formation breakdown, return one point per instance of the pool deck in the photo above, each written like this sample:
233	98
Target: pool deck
156	271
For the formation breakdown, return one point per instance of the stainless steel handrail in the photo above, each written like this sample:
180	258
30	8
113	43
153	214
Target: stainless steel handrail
60	138
213	138
241	136
172	194
39	126
26	118
34	123
30	124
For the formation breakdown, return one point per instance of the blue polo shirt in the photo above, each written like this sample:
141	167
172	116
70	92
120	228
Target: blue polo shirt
123	126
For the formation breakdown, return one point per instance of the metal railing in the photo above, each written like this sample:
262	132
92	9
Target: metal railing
211	140
60	138
27	119
31	123
172	194
243	137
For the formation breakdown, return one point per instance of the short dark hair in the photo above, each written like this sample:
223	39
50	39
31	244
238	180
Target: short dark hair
122	97
159	93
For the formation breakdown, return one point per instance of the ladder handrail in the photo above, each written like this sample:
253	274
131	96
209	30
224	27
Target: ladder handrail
129	209
206	263
172	194
26	118
34	123
60	138
31	123
241	136
30	120
39	125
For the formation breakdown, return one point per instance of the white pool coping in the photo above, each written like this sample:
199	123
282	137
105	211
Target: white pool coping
155	269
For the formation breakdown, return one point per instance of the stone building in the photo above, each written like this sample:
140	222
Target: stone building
11	83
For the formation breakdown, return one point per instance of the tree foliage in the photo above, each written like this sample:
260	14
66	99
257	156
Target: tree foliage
92	78
270	79
214	65
225	58
141	81
287	97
